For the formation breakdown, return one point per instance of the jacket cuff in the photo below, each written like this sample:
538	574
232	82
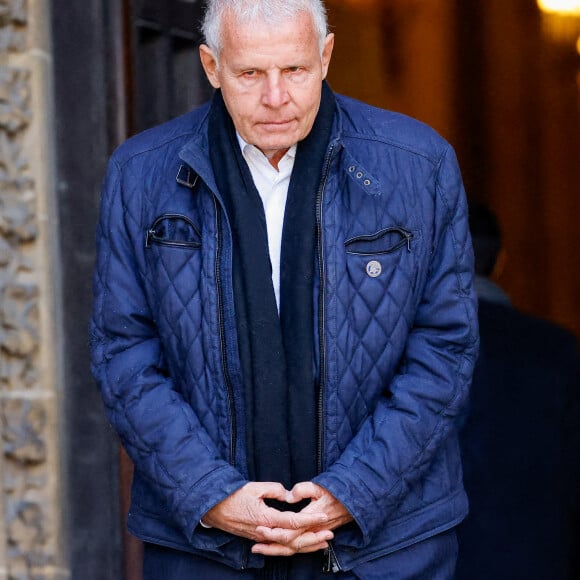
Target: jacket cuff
338	483
207	493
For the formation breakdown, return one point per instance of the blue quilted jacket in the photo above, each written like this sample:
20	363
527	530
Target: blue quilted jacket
396	332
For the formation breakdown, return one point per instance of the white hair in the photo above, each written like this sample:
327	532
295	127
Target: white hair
273	12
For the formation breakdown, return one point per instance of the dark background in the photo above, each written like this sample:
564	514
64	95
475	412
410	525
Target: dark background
486	74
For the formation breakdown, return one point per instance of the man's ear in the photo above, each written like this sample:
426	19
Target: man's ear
210	65
327	54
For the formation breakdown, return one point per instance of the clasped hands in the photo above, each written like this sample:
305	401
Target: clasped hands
280	533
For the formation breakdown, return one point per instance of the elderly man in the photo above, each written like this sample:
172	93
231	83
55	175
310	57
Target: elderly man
284	326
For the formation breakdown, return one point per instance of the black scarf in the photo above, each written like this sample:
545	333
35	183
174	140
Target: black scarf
277	352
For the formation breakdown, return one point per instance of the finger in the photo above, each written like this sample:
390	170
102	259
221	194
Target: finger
304	490
292	538
307	541
272	550
320	505
295	521
281	550
272	490
277	535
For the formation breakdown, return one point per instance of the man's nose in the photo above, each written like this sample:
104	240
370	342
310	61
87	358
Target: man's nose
275	93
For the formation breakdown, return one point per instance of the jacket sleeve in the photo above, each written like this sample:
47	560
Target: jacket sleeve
396	444
161	433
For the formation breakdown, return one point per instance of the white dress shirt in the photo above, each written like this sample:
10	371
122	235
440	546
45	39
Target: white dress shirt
272	185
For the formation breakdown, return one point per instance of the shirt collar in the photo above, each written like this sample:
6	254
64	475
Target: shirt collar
244	146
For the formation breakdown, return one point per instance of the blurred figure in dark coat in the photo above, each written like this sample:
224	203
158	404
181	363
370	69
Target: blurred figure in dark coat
520	437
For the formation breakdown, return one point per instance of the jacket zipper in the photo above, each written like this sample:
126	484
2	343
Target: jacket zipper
321	312
330	564
405	240
223	348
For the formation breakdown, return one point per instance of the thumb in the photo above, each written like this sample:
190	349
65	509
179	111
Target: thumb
304	490
272	490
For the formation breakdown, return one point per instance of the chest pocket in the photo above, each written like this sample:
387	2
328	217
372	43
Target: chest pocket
386	241
173	230
173	253
382	264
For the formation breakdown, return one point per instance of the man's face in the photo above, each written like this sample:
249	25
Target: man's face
271	80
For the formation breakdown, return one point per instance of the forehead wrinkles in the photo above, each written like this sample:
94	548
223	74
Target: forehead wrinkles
292	40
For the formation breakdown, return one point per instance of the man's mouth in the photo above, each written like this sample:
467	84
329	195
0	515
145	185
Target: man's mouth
276	124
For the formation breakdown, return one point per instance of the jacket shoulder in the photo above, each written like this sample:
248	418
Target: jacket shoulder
363	121
170	135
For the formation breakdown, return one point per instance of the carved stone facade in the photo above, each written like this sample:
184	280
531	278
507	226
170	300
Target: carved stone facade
31	544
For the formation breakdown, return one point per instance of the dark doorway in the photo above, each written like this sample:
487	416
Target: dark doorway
84	40
166	78
163	79
120	67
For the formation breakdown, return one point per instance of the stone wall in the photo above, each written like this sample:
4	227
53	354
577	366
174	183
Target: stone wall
31	544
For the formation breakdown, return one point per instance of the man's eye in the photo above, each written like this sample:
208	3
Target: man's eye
249	73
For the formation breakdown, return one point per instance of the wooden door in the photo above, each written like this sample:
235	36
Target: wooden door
163	79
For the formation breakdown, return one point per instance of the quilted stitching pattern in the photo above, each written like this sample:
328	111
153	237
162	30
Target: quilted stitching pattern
388	409
185	304
156	310
373	315
403	343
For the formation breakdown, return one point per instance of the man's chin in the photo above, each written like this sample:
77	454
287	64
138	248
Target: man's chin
270	147
277	138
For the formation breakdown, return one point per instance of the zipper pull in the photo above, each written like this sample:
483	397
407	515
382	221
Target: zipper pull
327	564
330	565
150	234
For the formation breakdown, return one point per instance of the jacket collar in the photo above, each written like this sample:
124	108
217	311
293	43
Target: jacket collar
195	154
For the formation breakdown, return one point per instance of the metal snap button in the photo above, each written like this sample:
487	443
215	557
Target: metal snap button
352	168
359	174
367	182
374	269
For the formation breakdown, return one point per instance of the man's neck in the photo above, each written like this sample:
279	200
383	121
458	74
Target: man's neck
275	157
